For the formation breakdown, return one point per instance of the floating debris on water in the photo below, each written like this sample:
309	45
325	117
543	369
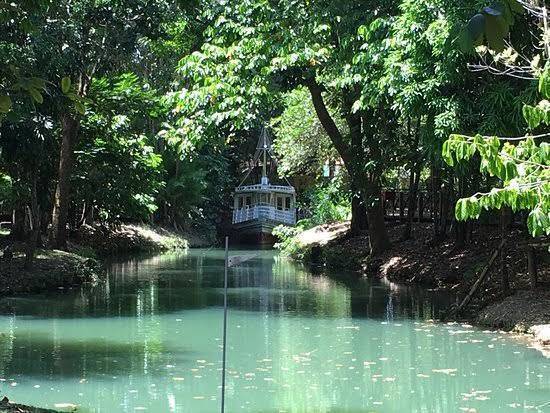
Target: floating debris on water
445	371
66	407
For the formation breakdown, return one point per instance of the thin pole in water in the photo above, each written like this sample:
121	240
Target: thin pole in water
224	342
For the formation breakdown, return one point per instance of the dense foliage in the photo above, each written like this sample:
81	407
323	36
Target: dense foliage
521	164
82	88
147	111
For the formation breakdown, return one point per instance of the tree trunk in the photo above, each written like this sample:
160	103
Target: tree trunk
532	267
18	224
401	206
378	235
480	279
435	182
58	234
359	222
445	206
505	222
34	231
358	219
352	155
442	202
414	179
460	226
414	182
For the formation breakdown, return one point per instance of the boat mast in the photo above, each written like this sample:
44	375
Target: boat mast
264	163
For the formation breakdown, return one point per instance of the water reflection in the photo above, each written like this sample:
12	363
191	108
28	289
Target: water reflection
175	282
149	339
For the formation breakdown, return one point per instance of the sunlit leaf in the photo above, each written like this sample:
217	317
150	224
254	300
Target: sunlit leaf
5	103
66	84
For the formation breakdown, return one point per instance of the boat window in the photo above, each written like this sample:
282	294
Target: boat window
280	203
248	201
287	202
241	202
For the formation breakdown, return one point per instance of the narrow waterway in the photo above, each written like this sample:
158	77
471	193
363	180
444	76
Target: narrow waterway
149	340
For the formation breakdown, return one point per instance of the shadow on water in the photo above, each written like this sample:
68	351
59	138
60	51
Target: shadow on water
336	410
41	355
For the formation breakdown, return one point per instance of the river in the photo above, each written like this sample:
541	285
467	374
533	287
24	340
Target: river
149	340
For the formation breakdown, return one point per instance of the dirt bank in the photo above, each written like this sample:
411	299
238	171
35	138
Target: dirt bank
116	239
519	312
60	270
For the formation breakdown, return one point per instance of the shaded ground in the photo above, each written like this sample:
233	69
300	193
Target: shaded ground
518	312
526	312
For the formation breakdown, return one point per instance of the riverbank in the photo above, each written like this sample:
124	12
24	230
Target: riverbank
441	265
54	270
524	312
127	238
7	407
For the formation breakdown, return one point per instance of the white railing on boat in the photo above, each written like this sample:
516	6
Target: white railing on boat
265	188
250	213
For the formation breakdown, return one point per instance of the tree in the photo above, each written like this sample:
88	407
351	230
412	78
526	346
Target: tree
73	43
242	67
17	20
520	163
301	143
118	171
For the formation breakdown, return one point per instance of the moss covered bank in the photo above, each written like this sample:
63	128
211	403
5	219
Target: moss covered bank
53	270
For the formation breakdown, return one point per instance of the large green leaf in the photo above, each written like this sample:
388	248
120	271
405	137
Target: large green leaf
37	83
544	83
538	222
5	103
476	27
36	95
516	6
496	29
533	116
80	108
66	84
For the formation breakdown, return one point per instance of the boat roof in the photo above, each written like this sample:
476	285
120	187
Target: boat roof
265	188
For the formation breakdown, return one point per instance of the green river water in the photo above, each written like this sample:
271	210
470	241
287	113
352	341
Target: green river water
149	340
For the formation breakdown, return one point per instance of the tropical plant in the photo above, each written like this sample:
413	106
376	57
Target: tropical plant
522	164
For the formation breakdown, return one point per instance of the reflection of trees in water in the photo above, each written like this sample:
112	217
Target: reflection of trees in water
7	339
376	299
278	285
389	308
174	282
47	356
315	343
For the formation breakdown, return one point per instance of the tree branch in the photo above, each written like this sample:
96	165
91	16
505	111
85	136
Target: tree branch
328	123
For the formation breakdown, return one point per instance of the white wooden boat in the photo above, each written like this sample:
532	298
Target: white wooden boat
260	207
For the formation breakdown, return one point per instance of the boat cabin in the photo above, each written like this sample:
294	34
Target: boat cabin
260	206
273	202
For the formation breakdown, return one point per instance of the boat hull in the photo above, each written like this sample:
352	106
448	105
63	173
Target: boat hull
256	232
